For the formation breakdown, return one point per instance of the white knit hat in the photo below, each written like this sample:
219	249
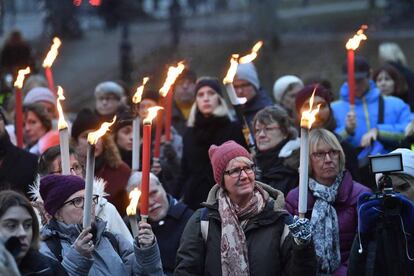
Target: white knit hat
38	94
247	72
109	87
281	84
407	160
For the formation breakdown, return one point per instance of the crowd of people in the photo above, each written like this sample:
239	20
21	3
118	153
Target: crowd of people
217	206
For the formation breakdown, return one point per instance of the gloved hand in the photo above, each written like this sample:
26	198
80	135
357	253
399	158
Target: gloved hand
368	212
407	213
300	229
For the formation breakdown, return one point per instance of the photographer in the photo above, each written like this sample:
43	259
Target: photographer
385	244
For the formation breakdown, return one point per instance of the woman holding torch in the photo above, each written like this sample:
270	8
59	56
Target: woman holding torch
243	229
93	250
331	202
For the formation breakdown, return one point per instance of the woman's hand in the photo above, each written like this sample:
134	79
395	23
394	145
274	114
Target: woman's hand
146	237
83	243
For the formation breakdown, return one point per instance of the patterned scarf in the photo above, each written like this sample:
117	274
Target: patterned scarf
234	257
324	223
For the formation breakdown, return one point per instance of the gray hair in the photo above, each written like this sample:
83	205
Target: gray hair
136	178
390	51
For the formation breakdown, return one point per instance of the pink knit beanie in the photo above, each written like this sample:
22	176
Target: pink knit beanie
221	155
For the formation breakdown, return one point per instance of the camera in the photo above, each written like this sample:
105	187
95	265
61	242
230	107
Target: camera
386	164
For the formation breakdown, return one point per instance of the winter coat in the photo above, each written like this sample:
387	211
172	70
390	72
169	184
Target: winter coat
178	121
267	253
257	103
169	230
397	115
345	206
126	259
196	177
35	263
278	167
408	76
17	167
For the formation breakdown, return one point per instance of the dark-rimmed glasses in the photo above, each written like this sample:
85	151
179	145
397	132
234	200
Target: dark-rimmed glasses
321	155
79	202
236	172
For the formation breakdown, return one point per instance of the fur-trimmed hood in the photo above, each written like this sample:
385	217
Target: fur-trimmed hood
272	194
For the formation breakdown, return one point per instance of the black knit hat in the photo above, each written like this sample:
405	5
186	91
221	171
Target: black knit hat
150	94
362	68
187	74
86	119
306	92
210	82
123	118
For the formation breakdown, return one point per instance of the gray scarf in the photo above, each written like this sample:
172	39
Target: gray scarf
324	223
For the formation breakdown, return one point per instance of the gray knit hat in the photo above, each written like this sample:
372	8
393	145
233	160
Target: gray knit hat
109	87
38	94
247	72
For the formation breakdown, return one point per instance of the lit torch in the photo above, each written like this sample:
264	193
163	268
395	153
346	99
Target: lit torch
90	168
146	154
308	118
48	62
18	84
63	134
131	210
351	46
136	123
236	101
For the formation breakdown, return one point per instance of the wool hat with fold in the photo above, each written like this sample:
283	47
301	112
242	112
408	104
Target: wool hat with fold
109	87
56	189
248	72
281	85
38	94
306	92
221	155
213	83
407	160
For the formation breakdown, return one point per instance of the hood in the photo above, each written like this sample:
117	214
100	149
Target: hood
371	96
273	194
289	147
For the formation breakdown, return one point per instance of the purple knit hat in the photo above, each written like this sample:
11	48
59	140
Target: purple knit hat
56	189
306	92
220	156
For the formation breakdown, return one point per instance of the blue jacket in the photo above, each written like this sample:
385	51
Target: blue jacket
397	115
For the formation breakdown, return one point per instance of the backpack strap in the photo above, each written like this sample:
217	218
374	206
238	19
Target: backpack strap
53	242
380	110
204	223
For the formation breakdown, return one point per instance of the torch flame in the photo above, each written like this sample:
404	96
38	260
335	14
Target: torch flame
250	57
152	113
61	122
52	54
173	73
20	77
353	43
232	70
134	196
95	135
138	94
309	116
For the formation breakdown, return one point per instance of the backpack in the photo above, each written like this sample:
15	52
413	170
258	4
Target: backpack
53	242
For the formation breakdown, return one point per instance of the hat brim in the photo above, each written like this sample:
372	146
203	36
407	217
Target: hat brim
358	75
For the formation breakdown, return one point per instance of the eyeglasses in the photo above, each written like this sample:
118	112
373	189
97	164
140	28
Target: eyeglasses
242	85
76	169
265	130
321	155
79	202
236	172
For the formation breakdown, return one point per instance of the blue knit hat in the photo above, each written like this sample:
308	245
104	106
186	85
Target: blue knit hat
56	189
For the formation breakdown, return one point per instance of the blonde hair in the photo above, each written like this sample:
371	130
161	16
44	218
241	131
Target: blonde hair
321	135
221	110
390	51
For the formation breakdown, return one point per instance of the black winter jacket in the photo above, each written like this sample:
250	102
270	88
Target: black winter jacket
267	256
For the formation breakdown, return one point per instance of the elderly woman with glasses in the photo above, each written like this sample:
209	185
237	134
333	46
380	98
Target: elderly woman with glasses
92	250
277	156
332	203
243	228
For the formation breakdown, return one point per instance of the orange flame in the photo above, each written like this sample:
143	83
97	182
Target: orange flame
20	77
353	43
152	113
250	57
134	196
232	69
138	94
61	122
309	116
95	135
173	73
52	54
